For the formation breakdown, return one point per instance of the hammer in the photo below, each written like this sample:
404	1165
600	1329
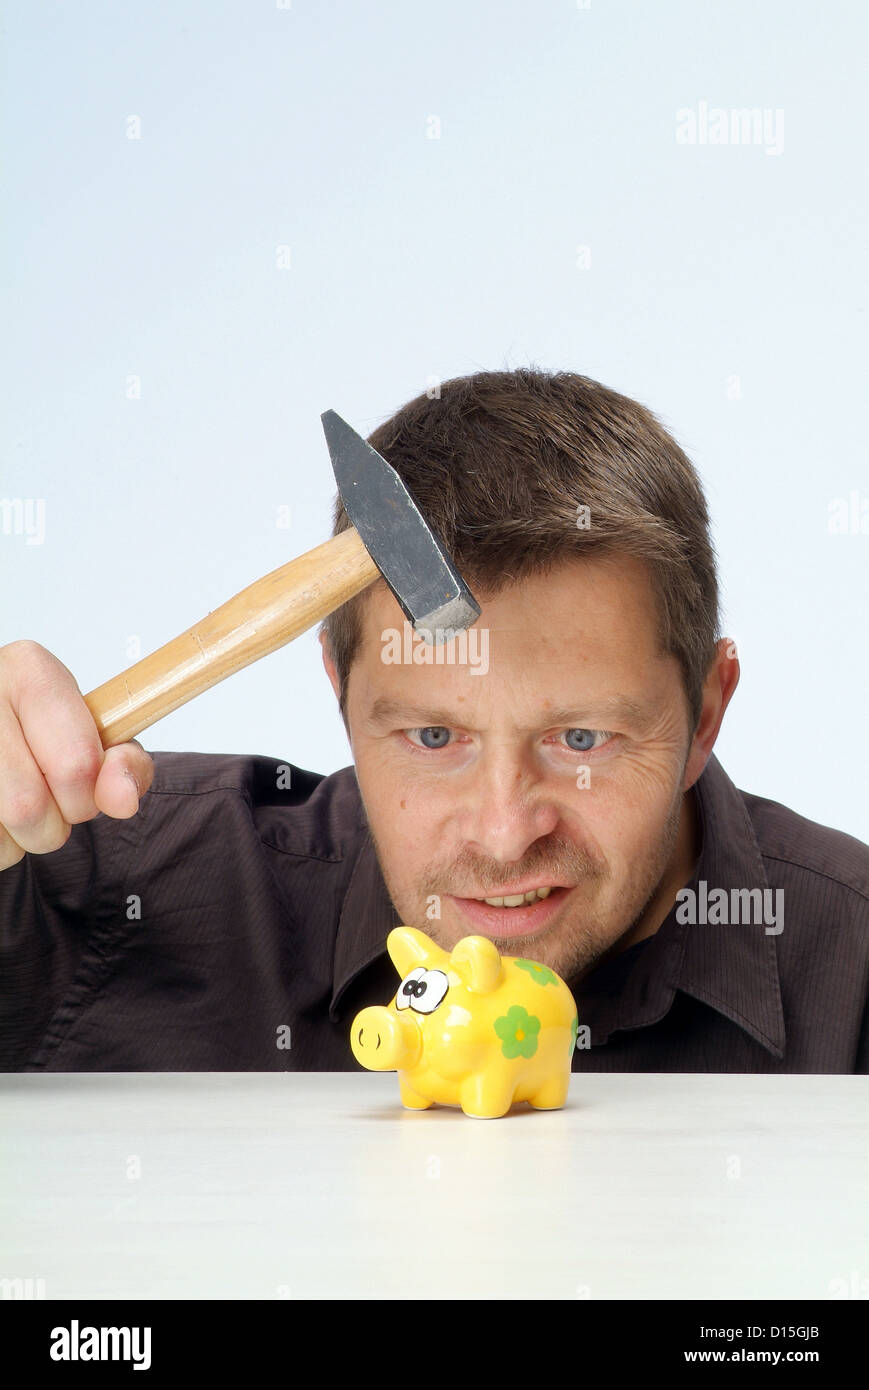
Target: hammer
389	538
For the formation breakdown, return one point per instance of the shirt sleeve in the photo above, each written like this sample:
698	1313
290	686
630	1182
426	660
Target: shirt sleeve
55	911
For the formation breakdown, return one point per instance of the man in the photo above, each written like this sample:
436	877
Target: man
546	779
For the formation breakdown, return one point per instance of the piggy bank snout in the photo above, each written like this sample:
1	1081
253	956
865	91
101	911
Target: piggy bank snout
382	1041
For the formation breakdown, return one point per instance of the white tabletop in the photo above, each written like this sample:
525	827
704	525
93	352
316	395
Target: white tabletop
317	1185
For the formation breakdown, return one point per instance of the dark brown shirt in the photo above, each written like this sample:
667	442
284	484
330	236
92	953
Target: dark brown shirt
237	923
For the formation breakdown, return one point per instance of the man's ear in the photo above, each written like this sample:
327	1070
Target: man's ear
722	679
329	664
332	673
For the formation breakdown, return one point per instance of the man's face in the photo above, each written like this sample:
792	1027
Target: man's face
473	783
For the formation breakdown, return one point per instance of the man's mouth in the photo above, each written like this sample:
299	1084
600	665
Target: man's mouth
512	914
517	899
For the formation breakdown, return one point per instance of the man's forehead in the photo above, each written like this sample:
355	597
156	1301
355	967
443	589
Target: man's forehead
589	594
591	661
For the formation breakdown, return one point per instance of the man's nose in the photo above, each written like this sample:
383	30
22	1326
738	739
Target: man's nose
506	806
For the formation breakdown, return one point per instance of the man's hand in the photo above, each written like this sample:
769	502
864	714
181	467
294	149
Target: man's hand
54	771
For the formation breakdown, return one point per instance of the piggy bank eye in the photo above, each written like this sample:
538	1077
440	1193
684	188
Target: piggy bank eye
422	990
407	988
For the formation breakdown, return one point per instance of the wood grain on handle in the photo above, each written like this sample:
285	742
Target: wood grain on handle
261	618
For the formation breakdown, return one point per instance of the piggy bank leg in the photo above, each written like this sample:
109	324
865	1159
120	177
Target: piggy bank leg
410	1098
552	1094
487	1096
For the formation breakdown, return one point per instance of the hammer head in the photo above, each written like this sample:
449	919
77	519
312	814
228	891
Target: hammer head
396	535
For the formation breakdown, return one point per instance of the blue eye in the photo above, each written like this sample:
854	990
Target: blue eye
585	741
441	735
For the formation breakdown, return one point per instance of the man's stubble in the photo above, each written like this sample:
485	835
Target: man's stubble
573	945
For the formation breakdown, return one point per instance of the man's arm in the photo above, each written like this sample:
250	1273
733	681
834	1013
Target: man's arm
54	774
54	771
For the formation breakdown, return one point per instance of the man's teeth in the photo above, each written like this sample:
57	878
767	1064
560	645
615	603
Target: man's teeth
519	899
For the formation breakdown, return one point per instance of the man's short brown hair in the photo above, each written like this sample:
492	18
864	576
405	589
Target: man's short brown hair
500	464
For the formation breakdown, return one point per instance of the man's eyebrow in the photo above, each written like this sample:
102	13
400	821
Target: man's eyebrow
619	708
388	711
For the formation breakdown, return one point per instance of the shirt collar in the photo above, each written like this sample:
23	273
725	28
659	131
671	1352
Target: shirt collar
366	919
732	968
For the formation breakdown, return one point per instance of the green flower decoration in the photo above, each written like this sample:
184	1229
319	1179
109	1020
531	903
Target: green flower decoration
518	1031
541	973
574	1029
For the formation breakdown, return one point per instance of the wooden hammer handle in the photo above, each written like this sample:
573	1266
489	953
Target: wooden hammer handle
261	618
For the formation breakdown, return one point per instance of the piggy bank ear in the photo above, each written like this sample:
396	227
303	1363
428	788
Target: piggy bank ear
477	960
409	947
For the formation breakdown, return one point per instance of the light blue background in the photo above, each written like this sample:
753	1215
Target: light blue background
414	258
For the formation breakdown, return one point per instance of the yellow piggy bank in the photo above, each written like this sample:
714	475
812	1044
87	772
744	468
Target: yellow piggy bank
470	1027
